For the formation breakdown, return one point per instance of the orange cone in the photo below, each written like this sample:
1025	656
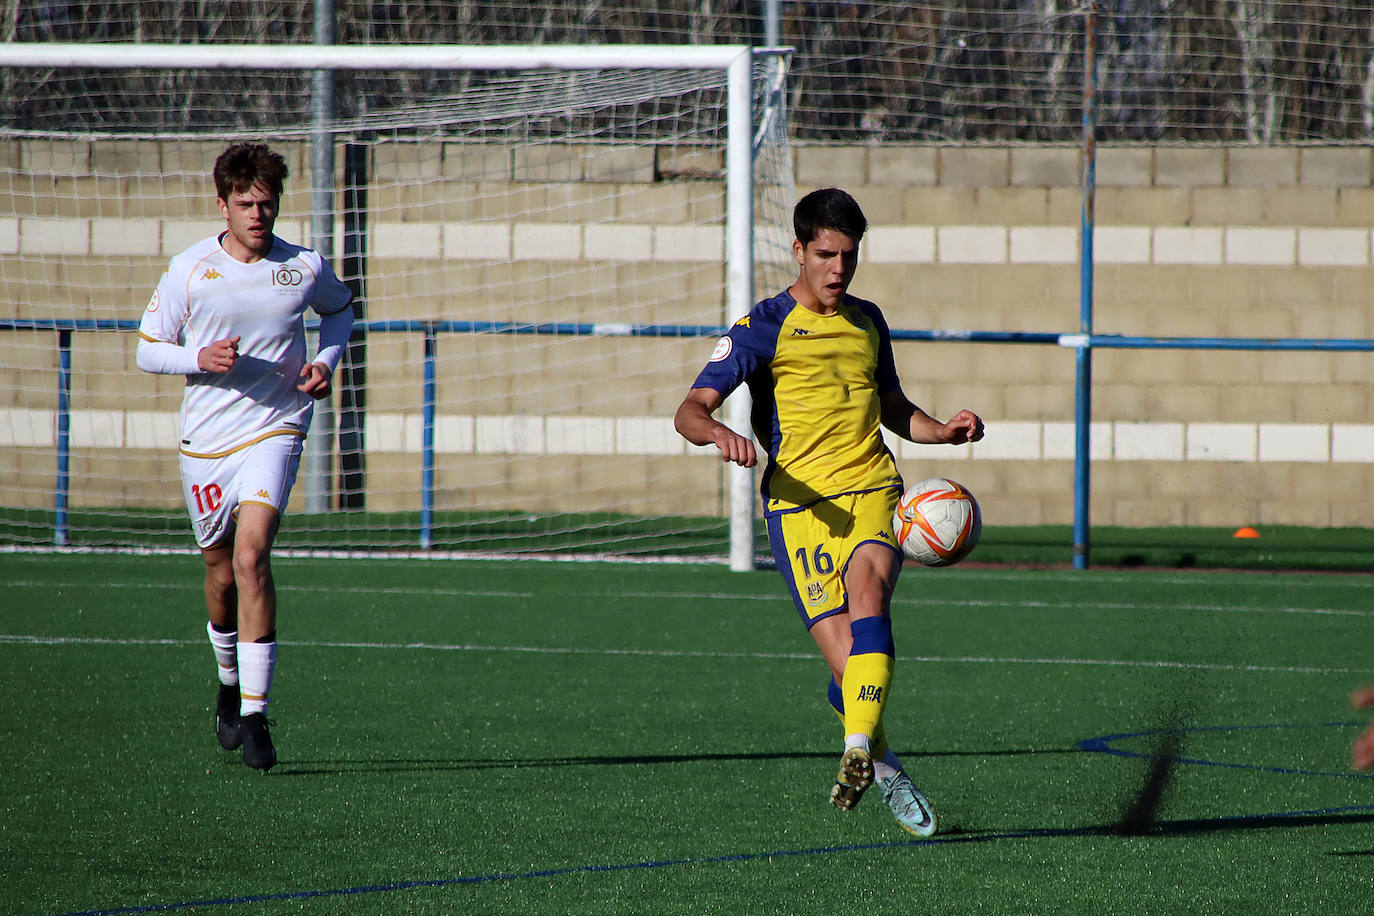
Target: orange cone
1246	532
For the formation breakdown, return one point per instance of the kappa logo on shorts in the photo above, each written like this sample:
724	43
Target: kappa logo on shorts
264	494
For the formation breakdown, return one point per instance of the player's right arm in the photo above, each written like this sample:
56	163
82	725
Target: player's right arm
160	349
165	358
695	423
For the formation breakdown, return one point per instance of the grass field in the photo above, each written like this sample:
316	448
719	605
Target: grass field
1279	547
525	737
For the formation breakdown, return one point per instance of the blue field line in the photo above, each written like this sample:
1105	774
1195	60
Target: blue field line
1103	745
945	840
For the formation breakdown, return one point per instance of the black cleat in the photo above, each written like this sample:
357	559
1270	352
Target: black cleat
227	717
258	751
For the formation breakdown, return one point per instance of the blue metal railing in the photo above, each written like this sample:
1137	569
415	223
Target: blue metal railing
1081	343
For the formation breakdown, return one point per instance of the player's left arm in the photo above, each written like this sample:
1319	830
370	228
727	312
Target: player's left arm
317	377
912	423
333	301
897	413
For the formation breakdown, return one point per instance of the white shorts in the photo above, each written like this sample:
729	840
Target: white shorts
262	473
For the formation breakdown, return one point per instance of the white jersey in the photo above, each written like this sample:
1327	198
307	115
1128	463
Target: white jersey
206	295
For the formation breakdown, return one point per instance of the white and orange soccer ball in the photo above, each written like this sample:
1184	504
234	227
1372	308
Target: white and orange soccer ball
937	522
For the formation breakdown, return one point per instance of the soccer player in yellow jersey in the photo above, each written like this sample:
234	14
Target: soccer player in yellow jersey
229	314
819	366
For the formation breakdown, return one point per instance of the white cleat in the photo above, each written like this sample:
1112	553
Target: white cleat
908	805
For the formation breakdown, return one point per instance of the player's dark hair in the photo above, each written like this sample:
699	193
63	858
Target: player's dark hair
828	208
244	165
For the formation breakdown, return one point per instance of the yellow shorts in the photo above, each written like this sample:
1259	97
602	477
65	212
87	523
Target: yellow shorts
813	545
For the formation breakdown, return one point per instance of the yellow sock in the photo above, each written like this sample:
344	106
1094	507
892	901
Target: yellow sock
879	747
867	678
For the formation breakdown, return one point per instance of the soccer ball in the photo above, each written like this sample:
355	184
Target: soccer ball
937	522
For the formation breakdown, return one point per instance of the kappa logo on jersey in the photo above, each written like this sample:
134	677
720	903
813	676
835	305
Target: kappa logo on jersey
722	350
885	535
870	693
815	593
212	274
287	276
800	332
743	322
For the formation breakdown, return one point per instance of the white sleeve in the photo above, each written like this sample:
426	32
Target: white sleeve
167	358
159	332
334	331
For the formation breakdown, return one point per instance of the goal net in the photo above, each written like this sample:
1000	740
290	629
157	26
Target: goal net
543	243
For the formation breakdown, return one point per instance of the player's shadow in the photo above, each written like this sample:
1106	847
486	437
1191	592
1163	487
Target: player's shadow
287	767
954	832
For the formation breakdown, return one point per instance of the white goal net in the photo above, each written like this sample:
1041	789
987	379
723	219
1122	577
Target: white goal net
543	243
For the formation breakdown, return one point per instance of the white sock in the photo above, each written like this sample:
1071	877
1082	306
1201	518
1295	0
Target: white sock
226	654
257	664
887	766
858	739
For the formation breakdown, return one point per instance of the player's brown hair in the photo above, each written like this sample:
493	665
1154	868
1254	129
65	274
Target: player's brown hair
828	208
244	165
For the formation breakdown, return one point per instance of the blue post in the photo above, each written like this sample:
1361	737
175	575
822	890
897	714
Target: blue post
427	445
64	434
1082	488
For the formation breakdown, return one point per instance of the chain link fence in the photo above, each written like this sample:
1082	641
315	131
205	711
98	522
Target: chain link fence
965	71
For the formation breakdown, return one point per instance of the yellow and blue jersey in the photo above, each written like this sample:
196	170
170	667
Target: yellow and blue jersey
816	383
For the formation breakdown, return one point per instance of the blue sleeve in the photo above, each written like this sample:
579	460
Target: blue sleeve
886	370
745	349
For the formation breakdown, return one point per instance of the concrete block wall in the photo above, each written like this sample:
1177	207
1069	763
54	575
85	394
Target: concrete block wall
1190	242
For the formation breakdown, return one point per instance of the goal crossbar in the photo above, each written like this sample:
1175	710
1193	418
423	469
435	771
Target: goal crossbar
390	57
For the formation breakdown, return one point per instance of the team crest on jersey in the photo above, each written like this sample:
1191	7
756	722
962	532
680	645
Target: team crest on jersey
815	593
154	302
722	350
287	276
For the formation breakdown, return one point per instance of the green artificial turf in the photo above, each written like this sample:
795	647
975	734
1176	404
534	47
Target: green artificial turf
593	535
536	737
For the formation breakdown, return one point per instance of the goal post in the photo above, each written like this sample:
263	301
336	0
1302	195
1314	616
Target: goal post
552	235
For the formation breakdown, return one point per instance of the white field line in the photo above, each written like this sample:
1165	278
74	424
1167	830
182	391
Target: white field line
359	590
31	640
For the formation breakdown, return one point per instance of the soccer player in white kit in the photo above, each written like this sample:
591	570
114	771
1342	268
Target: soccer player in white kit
229	314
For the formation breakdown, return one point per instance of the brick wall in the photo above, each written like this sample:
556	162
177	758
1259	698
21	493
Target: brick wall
1189	242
